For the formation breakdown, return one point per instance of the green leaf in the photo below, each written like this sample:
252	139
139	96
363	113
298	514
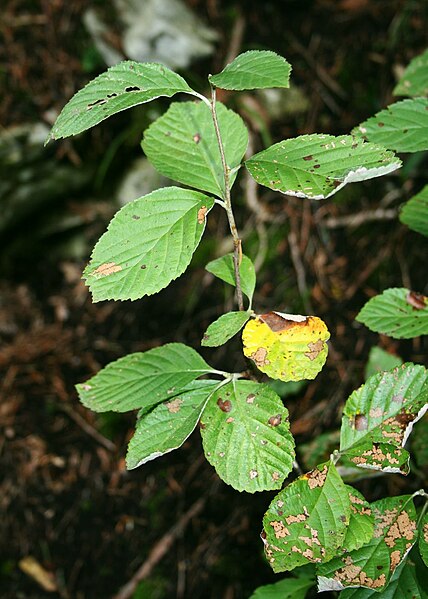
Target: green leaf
379	361
289	588
373	565
414	213
379	456
307	521
419	442
397	312
318	166
122	86
142	380
402	585
361	522
182	145
402	126
225	327
423	539
223	268
384	409
414	80
148	243
169	424
246	436
256	69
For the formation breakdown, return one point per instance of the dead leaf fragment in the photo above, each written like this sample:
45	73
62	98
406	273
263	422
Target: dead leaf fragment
30	566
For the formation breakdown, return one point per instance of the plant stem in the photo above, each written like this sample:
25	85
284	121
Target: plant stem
237	244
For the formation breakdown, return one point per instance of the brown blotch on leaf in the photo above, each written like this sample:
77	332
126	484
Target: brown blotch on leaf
316	478
201	215
314	349
278	323
107	269
136	217
380	124
309	157
275	420
225	406
360	422
174	406
197	138
416	300
259	356
250	398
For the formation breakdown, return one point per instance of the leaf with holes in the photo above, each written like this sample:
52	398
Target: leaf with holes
361	522
379	416
317	166
182	145
224	328
414	80
256	69
223	268
289	588
246	436
307	521
397	312
148	243
143	379
379	456
122	86
169	424
423	538
286	346
380	360
414	213
402	126
373	565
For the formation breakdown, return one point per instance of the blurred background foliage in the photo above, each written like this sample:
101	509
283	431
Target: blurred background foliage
67	499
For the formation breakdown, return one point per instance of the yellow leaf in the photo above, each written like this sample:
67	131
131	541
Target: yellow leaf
286	346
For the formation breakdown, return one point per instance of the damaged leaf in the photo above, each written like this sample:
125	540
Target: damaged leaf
414	81
256	69
402	585
361	522
148	243
382	412
246	436
307	521
286	346
143	379
224	328
379	456
414	213
182	145
317	166
167	426
223	268
373	565
392	314
402	127
122	86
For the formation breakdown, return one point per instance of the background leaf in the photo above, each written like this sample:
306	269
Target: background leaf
122	86
414	80
402	126
423	539
168	425
182	145
143	379
393	313
148	243
384	409
414	213
255	69
379	361
223	268
246	436
289	588
372	565
307	521
225	327
317	166
286	347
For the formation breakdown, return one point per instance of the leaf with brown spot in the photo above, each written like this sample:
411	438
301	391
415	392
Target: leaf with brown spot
107	269
246	451
373	564
286	346
379	456
312	515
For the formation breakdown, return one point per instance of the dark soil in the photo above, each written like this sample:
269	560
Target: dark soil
66	498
